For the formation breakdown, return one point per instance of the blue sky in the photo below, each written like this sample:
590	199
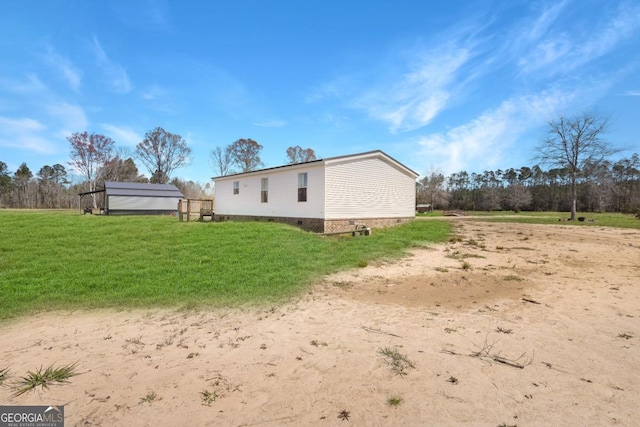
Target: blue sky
450	85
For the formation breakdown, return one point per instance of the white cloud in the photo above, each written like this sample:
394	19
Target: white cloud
153	93
483	142
545	54
145	14
24	134
547	18
122	135
566	49
271	123
160	99
339	88
323	91
115	73
620	27
632	93
415	98
71	74
31	84
32	143
25	124
70	117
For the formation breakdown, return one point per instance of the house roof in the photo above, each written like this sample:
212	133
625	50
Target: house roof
113	188
375	153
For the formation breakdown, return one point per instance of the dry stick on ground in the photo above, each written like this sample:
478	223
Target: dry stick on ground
485	352
531	301
378	331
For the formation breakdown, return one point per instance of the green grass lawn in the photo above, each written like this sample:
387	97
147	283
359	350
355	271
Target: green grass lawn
64	260
592	219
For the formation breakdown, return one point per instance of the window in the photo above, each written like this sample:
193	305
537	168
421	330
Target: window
264	187
236	187
302	187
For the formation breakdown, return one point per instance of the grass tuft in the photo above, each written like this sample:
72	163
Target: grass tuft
149	398
394	401
4	375
399	362
209	396
44	378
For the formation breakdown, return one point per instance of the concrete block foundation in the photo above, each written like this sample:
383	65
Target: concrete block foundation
318	225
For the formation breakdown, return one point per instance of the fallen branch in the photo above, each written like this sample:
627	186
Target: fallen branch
507	362
378	331
486	354
531	301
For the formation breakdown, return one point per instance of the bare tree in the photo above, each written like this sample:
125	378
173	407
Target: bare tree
221	161
190	189
489	198
572	143
433	189
89	154
122	167
626	175
517	196
5	182
46	186
22	179
298	154
161	153
246	154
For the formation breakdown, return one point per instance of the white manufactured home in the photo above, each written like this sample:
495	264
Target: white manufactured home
327	195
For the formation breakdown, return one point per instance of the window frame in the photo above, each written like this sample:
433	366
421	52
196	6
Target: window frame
264	190
236	188
303	183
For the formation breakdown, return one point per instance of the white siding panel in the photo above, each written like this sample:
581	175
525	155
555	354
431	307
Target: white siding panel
368	188
143	203
283	193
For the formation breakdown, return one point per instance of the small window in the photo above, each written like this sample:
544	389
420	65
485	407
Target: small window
302	187
264	187
236	187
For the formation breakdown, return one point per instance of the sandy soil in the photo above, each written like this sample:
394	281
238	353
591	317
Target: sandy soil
510	325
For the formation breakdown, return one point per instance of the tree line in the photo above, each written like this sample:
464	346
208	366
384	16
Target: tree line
96	159
610	187
579	176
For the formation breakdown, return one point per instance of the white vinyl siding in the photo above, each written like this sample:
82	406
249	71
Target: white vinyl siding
283	193
367	185
368	188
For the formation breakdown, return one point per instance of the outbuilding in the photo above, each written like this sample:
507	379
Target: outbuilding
135	198
328	195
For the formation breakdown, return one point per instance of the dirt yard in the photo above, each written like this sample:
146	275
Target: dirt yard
509	324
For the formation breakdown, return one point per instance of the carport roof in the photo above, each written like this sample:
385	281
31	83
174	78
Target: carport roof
114	188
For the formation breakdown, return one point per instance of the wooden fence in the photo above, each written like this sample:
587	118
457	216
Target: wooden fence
199	209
